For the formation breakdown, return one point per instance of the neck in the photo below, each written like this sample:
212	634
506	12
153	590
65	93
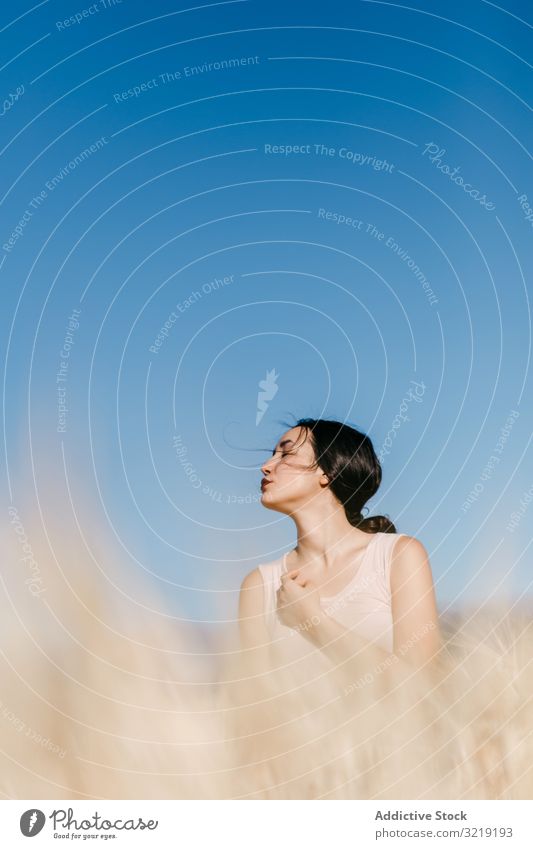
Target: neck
324	533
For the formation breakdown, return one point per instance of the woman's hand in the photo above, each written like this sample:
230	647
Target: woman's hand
298	601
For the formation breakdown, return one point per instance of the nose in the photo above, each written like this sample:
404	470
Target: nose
266	467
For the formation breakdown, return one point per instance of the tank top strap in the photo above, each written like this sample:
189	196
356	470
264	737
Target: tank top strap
271	574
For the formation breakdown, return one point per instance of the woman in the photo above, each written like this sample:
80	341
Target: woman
351	582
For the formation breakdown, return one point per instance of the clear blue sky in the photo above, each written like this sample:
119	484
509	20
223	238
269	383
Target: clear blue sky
297	207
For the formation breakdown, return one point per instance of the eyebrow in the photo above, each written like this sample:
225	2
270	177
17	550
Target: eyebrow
285	442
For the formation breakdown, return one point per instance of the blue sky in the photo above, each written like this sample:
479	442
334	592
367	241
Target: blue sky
339	193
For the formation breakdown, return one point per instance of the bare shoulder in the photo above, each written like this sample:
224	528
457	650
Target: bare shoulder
409	559
407	548
251	597
252	579
251	610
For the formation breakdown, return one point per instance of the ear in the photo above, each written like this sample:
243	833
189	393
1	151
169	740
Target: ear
324	480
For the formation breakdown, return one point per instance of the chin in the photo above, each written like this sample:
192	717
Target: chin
268	501
271	504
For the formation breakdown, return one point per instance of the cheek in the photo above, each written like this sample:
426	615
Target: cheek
288	473
294	481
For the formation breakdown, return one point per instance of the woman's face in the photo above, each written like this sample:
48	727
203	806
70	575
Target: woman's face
288	483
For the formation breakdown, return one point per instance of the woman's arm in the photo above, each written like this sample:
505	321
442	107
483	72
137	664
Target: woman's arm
414	607
253	633
339	643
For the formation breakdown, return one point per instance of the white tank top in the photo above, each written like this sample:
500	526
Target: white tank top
364	604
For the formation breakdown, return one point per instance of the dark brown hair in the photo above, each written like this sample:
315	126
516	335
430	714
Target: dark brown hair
348	458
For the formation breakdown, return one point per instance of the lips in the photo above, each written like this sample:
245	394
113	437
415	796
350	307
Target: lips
264	483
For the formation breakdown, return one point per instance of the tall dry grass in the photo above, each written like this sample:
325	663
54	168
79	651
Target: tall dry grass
101	697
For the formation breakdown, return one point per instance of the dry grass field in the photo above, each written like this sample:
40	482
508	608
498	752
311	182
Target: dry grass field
102	698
